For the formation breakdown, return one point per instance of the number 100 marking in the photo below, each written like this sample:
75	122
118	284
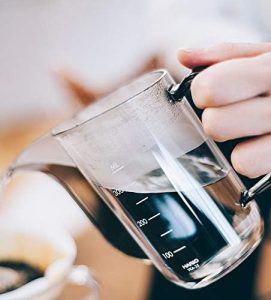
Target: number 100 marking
168	255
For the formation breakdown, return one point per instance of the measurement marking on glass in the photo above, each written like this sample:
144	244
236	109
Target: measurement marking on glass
117	170
167	232
154	216
179	249
142	200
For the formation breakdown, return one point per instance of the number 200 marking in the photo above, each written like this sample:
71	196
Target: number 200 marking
142	222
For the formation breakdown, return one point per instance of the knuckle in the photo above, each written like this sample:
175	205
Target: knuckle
211	124
202	89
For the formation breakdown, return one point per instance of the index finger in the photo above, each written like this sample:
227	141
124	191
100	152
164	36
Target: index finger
232	81
194	57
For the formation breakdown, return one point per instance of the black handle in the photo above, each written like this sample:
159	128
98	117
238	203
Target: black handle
255	190
178	91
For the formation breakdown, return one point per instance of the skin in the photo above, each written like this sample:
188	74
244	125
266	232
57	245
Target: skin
235	94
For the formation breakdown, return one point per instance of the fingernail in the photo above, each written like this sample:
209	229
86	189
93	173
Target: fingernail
188	50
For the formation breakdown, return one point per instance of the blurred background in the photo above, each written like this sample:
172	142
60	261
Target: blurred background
56	56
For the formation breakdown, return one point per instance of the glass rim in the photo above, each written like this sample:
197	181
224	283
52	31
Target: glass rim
73	123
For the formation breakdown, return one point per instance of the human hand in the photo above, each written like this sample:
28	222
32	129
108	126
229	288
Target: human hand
235	94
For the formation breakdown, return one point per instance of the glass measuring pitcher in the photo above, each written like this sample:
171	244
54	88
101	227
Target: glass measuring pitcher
151	162
147	157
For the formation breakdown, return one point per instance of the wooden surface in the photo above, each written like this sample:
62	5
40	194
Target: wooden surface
264	272
120	277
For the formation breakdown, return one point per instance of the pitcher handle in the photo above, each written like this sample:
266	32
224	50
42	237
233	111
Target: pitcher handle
256	189
176	93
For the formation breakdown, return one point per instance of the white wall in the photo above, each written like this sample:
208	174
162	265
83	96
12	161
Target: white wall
91	37
104	40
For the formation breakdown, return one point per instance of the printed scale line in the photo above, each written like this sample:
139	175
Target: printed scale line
167	232
151	218
179	249
142	200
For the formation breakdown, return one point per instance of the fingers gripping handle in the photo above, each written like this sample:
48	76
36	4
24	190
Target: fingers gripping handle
176	93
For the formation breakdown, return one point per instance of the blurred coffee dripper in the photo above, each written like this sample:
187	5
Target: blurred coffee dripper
51	251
